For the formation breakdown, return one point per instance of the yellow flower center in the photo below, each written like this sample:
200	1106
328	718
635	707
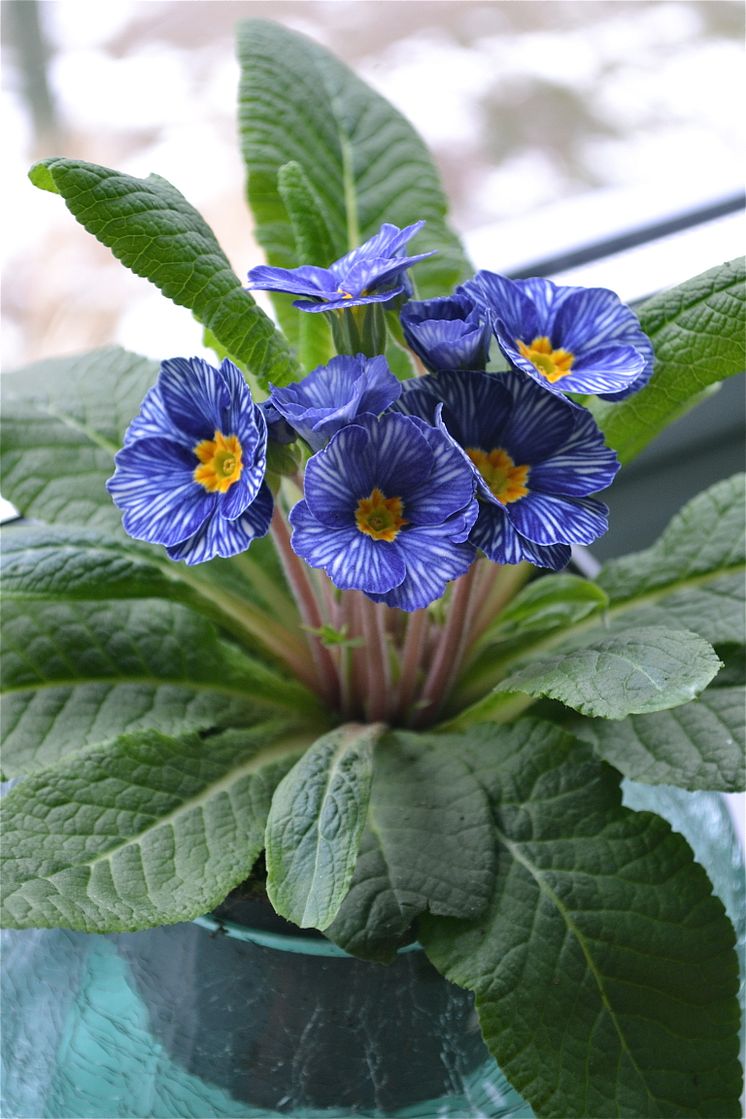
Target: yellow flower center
505	480
552	364
221	462
379	516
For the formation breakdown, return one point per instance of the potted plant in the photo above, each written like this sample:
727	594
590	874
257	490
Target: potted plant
294	625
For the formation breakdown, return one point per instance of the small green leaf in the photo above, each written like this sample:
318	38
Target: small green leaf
362	160
155	232
548	603
148	831
698	331
604	969
639	670
78	673
699	745
315	824
427	846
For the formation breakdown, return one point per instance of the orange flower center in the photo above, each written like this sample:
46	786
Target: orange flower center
220	462
552	364
505	480
380	517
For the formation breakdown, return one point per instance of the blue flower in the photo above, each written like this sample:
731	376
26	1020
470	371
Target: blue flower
388	507
191	472
372	273
334	395
568	339
448	333
536	458
278	429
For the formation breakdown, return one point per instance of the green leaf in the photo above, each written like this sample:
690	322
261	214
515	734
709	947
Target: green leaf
77	673
62	422
315	825
691	579
155	232
427	846
554	601
699	745
698	331
149	831
636	671
693	574
362	160
313	243
604	970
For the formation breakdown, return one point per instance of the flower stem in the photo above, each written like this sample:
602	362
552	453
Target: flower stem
449	651
300	585
415	643
378	691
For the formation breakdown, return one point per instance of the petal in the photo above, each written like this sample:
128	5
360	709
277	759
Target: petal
153	484
507	300
305	280
548	519
602	370
194	396
342	304
449	486
432	559
539	422
590	318
221	537
386	243
495	536
154	421
351	559
337	477
582	465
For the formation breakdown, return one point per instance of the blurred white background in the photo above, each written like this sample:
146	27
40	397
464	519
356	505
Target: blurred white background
553	123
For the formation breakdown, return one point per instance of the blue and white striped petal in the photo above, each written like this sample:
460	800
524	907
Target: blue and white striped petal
154	485
495	536
551	519
194	396
352	560
221	537
450	485
539	424
432	558
582	465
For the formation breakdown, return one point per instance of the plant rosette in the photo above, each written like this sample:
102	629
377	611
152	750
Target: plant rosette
298	615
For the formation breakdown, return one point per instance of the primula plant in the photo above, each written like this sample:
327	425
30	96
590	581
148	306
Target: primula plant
311	599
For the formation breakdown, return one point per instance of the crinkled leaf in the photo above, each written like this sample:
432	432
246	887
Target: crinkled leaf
698	330
363	161
315	825
313	242
155	232
427	846
699	745
604	969
78	673
636	671
62	422
148	831
694	574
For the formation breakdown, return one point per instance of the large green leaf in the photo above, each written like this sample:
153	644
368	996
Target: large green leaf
604	970
699	745
149	831
364	162
632	672
691	579
698	330
427	846
694	574
78	673
154	231
62	422
315	825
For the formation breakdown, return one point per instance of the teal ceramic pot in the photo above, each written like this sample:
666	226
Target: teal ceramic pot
227	1018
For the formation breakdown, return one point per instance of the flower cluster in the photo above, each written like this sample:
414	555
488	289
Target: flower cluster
407	482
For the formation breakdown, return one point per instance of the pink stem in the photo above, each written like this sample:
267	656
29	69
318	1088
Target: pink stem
449	649
415	643
299	583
